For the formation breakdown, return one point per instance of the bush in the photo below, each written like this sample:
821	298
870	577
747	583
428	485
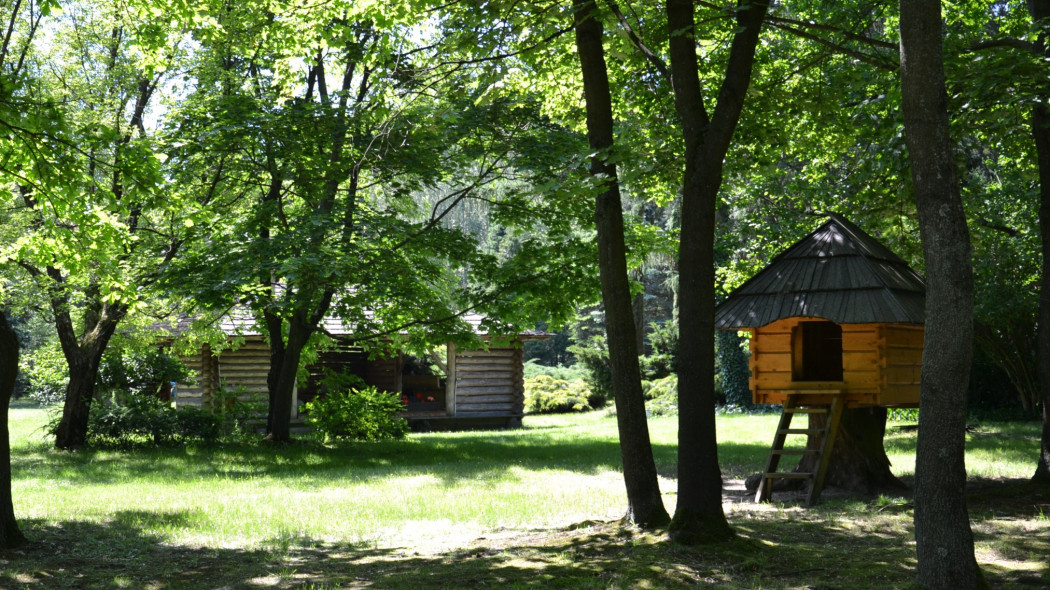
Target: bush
129	419
661	396
594	356
546	395
357	414
122	420
193	423
569	373
663	339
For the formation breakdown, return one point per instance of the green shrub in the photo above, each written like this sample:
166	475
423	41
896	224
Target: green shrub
357	414
193	423
565	373
661	396
546	395
594	356
123	420
663	339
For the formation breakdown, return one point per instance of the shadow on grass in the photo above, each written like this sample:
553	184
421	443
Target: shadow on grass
828	547
453	459
119	554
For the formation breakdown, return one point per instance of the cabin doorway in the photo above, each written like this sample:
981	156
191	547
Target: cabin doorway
817	351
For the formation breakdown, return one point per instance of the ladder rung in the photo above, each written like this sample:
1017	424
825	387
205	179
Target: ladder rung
796	452
789	475
800	431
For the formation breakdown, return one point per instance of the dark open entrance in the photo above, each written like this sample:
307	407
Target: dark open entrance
817	349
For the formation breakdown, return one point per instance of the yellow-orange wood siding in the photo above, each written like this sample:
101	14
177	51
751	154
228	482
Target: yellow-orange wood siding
881	364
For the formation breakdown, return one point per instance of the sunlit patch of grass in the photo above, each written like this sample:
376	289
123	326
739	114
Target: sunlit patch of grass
478	508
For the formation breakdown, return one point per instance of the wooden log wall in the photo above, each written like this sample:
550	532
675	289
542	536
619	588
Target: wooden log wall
878	363
203	380
489	382
243	371
903	365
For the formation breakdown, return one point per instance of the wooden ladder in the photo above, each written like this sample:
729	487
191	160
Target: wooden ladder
833	409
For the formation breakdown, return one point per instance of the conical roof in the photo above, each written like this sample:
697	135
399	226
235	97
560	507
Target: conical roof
838	273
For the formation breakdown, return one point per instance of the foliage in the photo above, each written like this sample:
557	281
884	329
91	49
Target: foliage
662	396
47	373
364	414
550	351
533	368
547	395
732	385
122	370
136	370
593	355
663	339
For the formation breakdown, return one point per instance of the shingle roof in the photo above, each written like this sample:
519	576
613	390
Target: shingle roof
838	273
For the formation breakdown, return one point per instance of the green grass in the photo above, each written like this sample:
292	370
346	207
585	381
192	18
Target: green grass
536	506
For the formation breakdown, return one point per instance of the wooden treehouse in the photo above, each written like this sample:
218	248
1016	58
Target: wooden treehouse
836	322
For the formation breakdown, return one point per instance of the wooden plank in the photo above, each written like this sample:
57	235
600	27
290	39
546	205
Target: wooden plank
491	354
489	398
903	375
468	382
767	344
896	336
903	357
860	361
505	364
772	362
859	341
467	392
770	380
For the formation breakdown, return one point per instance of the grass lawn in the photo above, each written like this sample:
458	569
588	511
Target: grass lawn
522	508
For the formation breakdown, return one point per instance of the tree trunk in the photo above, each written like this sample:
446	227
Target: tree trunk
858	461
10	535
80	392
1040	10
698	515
644	504
944	541
83	360
283	389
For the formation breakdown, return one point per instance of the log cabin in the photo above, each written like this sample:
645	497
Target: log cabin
835	322
474	388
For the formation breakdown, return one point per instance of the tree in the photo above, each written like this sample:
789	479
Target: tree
95	233
1040	10
698	515
10	535
944	541
347	148
644	504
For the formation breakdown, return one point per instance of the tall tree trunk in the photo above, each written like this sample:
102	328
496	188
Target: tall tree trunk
944	541
644	504
10	535
698	514
1040	10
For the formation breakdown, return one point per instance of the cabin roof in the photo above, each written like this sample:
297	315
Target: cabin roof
837	272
